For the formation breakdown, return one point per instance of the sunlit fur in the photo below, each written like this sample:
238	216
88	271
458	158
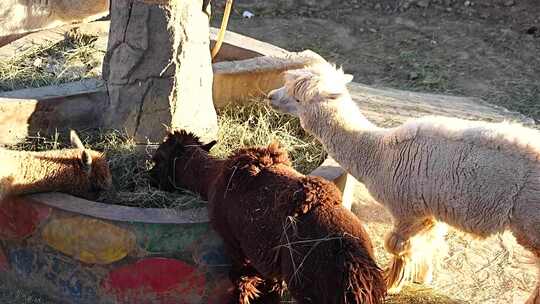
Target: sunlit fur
24	172
482	178
277	224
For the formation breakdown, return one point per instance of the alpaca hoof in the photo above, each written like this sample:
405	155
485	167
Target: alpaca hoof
395	275
396	245
394	289
423	273
425	279
248	289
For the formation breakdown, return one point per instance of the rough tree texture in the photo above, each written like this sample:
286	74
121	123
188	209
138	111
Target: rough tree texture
145	56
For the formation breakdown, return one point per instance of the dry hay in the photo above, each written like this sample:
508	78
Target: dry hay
258	124
490	271
71	59
418	294
240	126
129	164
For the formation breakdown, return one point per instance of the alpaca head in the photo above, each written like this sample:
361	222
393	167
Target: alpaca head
95	169
310	87
172	158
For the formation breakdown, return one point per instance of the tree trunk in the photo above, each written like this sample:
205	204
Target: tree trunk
158	69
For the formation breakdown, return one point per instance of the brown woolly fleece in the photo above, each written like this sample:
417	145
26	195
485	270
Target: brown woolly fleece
479	177
78	171
277	224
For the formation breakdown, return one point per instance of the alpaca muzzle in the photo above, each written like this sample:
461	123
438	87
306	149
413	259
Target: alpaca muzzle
280	101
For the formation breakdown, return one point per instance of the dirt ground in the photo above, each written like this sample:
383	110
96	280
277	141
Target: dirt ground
483	48
487	49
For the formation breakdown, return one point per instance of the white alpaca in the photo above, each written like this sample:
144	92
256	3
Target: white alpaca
78	171
482	178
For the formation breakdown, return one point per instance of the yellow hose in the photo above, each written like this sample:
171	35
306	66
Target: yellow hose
222	29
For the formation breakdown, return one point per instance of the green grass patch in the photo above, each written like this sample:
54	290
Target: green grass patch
524	98
422	74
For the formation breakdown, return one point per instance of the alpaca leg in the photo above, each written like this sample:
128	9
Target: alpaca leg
252	288
525	227
399	245
256	290
534	298
524	241
423	248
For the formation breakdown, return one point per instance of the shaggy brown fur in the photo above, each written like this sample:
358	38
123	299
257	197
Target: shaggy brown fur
278	225
78	171
479	177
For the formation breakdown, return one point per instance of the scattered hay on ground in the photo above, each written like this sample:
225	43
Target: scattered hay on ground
129	161
419	294
71	59
129	165
258	124
495	270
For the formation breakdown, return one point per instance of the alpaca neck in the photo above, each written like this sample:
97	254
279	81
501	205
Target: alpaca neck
199	172
348	136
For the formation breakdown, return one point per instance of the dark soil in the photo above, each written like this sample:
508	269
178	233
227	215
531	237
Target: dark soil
485	48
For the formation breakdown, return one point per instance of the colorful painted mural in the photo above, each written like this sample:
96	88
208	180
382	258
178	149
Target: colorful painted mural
169	280
80	259
59	274
4	266
20	217
89	240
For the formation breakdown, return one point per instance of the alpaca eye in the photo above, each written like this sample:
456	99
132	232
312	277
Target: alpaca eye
333	96
297	100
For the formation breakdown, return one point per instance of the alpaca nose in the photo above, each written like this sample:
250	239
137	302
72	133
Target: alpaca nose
273	99
271	95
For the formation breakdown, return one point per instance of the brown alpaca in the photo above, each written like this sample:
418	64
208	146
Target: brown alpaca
481	178
277	224
80	172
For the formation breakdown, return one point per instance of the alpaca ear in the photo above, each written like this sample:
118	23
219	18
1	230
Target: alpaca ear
209	145
333	96
75	140
292	75
86	161
348	78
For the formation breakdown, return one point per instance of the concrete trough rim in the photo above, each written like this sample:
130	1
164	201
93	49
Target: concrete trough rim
253	57
121	213
329	169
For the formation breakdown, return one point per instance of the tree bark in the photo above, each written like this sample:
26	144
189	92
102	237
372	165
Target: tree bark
158	69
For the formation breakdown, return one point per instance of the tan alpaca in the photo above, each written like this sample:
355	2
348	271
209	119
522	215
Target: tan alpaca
78	171
21	16
482	178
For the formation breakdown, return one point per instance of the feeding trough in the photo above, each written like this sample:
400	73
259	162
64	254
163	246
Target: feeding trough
82	251
85	252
